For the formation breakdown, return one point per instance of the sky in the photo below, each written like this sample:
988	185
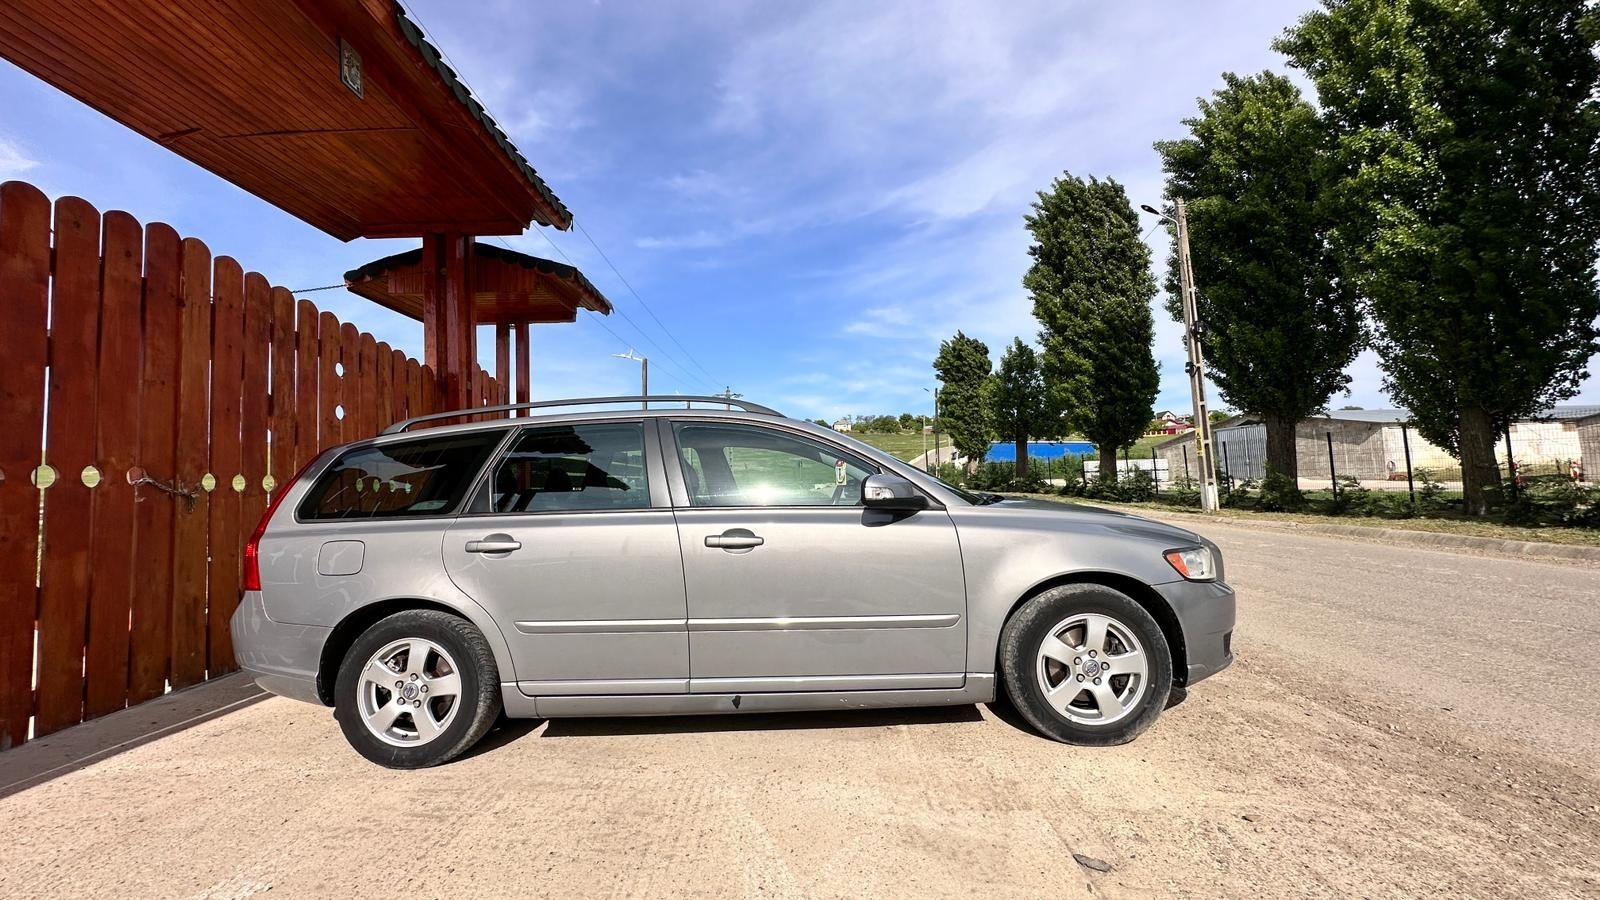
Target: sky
800	200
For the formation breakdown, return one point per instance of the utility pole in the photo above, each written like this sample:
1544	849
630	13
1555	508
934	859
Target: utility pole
927	466
728	394
1196	366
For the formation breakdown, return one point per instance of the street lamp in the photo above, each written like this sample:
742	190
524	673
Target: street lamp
927	466
644	374
1196	364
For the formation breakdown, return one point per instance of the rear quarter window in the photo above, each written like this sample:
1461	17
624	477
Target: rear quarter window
422	477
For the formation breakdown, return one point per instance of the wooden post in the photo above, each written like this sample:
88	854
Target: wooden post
524	362
502	361
449	326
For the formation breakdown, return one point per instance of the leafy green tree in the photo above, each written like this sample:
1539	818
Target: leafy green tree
907	421
1018	403
1280	324
1092	286
822	422
1468	191
963	367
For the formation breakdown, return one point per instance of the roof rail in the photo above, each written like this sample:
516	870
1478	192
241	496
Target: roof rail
663	399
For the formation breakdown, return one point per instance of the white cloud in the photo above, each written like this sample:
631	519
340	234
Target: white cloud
14	161
695	240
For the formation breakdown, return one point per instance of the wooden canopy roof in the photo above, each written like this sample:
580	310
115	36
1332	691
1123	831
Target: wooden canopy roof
506	286
337	111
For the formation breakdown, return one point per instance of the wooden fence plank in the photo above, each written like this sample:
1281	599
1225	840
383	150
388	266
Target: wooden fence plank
254	406
156	510
328	387
366	411
282	461
383	392
400	399
414	403
350	382
430	390
24	283
69	449
227	461
307	377
189	536
116	449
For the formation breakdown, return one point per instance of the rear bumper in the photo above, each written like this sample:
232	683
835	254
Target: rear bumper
1206	613
283	659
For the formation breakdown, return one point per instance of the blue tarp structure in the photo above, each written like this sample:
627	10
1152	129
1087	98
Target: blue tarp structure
1007	452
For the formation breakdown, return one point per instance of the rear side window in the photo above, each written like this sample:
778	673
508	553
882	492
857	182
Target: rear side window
424	477
562	468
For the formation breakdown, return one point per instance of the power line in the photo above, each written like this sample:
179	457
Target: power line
664	329
461	76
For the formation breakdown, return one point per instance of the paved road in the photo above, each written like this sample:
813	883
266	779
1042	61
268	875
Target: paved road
1400	723
1509	646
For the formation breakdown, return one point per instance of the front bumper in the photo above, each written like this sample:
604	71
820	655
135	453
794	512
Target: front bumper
1206	613
283	659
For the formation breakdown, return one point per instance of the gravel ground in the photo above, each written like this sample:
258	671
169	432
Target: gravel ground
1400	723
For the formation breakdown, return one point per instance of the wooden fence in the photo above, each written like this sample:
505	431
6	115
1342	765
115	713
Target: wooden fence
152	396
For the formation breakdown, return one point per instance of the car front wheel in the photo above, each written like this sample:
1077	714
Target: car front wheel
1086	664
417	689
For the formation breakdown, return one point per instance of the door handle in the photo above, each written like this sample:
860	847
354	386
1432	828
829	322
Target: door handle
494	543
735	539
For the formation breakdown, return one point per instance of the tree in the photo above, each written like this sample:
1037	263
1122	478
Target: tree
907	421
1091	286
822	422
1281	325
1468	190
1018	404
963	366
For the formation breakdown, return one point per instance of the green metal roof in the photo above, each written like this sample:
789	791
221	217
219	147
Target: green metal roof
435	60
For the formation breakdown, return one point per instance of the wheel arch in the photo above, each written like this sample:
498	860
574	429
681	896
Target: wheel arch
352	626
1141	593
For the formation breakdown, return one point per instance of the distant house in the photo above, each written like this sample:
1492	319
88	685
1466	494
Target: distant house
842	425
1170	423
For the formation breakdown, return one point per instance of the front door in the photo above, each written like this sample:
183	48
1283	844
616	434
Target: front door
793	584
571	547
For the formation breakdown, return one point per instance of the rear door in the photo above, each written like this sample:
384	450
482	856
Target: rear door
571	545
793	584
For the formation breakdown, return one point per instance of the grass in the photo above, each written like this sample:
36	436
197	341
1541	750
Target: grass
1447	524
907	445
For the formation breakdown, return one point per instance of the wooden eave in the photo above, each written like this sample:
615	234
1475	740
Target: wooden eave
507	286
251	90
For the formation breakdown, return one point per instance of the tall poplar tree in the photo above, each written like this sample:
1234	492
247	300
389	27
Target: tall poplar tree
1468	190
1280	324
1091	286
963	366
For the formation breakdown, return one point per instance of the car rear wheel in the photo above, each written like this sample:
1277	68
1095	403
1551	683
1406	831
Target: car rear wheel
1086	664
417	689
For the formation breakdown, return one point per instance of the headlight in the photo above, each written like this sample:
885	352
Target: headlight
1194	564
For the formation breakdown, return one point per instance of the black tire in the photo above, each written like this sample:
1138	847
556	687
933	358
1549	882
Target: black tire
1027	628
479	698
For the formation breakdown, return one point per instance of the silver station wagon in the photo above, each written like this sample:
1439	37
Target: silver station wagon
651	561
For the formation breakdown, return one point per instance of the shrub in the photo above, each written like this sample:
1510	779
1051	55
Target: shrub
1280	493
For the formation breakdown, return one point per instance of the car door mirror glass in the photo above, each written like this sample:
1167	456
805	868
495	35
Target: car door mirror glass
885	491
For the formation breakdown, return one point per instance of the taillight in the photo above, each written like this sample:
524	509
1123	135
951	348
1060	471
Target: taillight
252	548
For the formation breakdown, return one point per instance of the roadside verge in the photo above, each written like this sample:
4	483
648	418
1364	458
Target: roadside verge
1433	540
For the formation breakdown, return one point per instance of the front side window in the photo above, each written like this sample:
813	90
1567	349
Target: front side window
743	465
563	468
421	477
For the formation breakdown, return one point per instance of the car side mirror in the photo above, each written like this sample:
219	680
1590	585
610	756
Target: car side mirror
885	491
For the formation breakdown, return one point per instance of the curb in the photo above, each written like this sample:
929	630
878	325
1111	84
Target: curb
1433	540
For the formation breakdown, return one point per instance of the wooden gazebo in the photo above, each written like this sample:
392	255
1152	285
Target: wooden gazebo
508	289
339	112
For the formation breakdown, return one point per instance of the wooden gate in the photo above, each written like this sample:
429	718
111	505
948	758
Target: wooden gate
151	399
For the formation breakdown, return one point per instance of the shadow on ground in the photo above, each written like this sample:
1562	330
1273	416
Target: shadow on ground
855	718
54	755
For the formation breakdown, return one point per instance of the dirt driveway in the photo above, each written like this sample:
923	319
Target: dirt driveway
1283	776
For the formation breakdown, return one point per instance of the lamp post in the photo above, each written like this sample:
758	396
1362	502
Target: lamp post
644	374
927	466
1195	367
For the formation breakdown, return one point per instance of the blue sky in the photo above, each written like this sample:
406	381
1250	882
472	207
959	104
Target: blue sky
809	196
